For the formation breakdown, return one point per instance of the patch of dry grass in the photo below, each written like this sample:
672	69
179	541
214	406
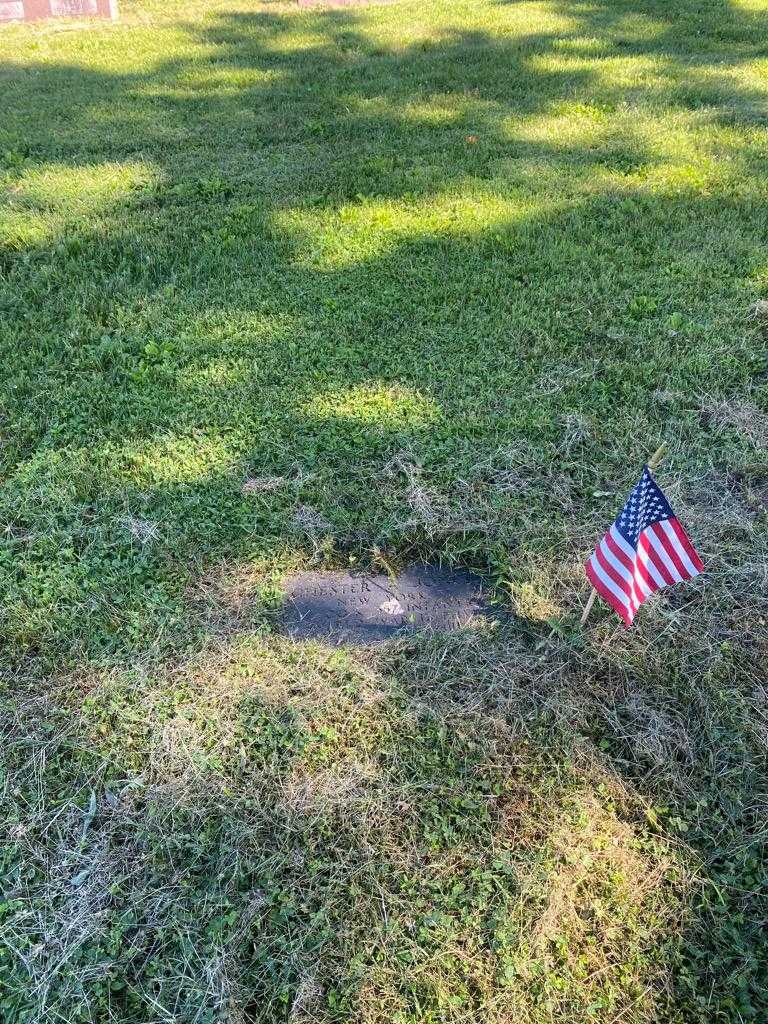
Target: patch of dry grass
381	843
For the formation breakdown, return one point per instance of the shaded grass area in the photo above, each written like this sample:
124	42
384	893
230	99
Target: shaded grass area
281	288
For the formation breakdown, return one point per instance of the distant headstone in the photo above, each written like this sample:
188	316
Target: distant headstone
341	3
35	10
357	608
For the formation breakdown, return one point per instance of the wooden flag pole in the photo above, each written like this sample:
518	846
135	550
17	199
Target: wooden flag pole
588	607
657	456
653	462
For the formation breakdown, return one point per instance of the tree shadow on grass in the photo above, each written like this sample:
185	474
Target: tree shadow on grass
322	381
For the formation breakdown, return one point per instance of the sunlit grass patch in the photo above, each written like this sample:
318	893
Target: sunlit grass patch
387	407
79	190
372	227
20	229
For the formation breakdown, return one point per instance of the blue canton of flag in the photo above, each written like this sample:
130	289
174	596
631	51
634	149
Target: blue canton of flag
645	550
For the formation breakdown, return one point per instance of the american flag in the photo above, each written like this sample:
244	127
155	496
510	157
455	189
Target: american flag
645	549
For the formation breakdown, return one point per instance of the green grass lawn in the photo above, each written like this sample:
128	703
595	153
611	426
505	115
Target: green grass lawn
285	288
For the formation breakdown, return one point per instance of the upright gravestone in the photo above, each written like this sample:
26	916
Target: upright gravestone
340	3
36	10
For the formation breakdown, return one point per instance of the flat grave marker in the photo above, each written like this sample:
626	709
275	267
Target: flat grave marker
362	608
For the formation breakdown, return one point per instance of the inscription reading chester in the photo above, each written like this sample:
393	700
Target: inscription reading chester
346	608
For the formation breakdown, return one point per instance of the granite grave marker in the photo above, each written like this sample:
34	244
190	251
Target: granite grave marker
362	608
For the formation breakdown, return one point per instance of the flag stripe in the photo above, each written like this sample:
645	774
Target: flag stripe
622	550
606	588
618	568
672	548
621	584
640	584
620	595
619	541
618	565
687	568
653	556
652	538
685	541
648	561
642	573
